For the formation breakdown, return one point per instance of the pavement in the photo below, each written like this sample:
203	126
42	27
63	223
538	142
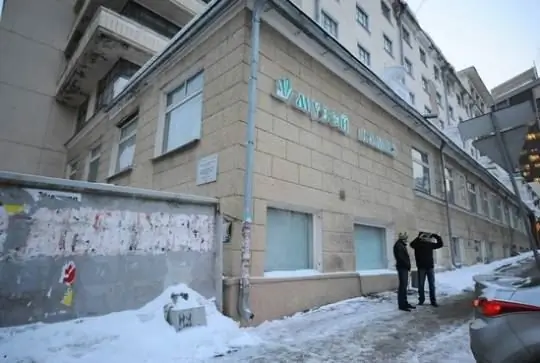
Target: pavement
384	334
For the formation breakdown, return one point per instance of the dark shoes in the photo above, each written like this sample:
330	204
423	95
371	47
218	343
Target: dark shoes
407	307
434	304
411	306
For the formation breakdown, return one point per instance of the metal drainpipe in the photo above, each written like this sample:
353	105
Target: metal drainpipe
447	205
243	292
317	11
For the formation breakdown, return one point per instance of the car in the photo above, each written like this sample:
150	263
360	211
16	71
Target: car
506	323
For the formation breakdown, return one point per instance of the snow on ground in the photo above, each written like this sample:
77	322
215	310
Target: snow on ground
130	337
361	329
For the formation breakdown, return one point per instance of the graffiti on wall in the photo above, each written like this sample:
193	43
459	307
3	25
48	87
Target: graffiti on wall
69	272
7	211
78	231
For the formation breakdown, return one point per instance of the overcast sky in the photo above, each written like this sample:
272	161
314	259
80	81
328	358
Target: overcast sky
500	37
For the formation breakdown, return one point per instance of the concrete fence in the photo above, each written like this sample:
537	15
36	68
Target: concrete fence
73	249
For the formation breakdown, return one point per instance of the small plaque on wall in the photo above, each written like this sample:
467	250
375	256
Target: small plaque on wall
207	168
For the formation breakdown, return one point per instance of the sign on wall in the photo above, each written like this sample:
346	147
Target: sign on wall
316	110
376	142
207	169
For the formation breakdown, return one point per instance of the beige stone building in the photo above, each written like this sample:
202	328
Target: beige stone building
341	163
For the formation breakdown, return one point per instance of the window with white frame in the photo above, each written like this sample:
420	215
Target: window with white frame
72	170
406	36
183	114
451	112
388	45
408	66
449	180
364	56
485	203
114	82
412	98
329	24
422	56
289	241
436	73
93	164
424	84
506	214
439	99
421	171
126	144
370	247
473	197
362	17
82	112
497	210
386	11
514	218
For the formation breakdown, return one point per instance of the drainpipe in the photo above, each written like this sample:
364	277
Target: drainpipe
447	205
317	10
399	8
243	293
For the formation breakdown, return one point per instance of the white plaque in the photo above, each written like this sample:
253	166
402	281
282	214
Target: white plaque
207	169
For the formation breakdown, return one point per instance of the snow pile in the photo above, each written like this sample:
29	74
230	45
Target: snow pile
456	281
134	336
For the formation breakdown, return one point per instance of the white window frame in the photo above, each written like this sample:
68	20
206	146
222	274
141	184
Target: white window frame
364	56
362	17
93	155
486	205
496	201
425	84
450	185
406	35
408	66
72	169
472	193
386	11
389	233
119	140
164	109
388	45
316	224
423	56
328	21
424	165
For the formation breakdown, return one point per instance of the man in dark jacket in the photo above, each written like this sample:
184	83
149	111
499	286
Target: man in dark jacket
423	247
403	266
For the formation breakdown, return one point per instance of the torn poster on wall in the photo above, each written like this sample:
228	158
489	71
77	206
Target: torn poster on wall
38	194
69	273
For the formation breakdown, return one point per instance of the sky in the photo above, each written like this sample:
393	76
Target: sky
501	38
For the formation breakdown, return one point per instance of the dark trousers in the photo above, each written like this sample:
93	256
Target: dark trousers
403	279
430	274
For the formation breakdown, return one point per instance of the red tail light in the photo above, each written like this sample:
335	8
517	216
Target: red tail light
491	308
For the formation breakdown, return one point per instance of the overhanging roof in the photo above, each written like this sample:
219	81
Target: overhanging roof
480	86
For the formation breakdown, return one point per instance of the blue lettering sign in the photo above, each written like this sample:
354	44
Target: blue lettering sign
376	142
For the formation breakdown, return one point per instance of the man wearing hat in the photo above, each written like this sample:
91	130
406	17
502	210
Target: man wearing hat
403	266
423	247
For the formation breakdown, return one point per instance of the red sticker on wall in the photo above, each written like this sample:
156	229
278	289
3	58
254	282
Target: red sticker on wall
68	273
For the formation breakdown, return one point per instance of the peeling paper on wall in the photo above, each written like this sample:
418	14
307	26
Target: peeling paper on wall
70	231
38	194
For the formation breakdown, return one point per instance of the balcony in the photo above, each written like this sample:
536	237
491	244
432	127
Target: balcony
108	38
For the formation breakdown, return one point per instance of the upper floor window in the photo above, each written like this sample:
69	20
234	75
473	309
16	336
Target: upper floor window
412	98
459	100
329	24
436	73
388	45
72	170
114	82
408	66
427	110
364	56
362	17
485	204
421	171
125	149
183	114
406	36
449	180
423	56
424	84
386	11
439	99
92	169
82	112
497	210
451	112
473	204
150	19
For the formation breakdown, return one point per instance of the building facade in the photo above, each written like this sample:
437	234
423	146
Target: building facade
341	162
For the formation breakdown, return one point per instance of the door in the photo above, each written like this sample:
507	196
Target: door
456	250
370	247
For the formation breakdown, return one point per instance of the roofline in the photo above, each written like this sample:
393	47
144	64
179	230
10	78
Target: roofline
520	89
472	72
296	16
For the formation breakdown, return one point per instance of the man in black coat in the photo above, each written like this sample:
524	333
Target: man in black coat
423	247
403	267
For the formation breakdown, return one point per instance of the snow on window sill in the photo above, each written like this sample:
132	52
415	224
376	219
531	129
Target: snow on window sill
292	273
377	272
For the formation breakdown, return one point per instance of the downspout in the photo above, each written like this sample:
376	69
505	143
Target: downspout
243	292
317	11
447	205
398	7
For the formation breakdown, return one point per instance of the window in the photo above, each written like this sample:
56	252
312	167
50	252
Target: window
436	73
459	100
81	115
497	209
506	214
126	145
370	248
72	170
427	110
424	84
183	115
364	56
329	24
388	46
460	119
439	99
441	124
451	112
506	250
386	11
93	164
422	56
449	180
456	250
421	176
485	203
362	17
473	204
149	19
289	241
406	36
408	66
412	98
114	82
490	252
513	220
